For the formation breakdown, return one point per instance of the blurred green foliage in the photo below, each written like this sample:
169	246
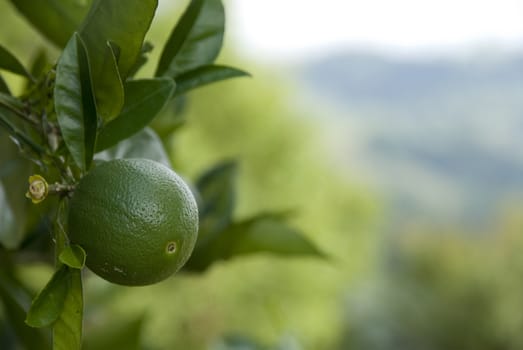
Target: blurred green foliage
443	290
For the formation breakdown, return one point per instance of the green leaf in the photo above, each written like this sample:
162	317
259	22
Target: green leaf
15	301
3	86
147	47
16	133
74	102
170	119
11	234
10	63
109	93
73	256
269	233
144	99
196	40
14	172
12	103
217	198
40	63
145	144
55	19
123	23
205	75
67	330
49	303
265	233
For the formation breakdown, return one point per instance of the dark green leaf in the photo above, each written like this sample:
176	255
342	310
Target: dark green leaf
49	303
24	140
73	256
3	86
145	144
118	334
74	103
143	101
12	103
196	40
67	330
217	198
14	172
9	62
16	301
205	75
109	93
123	23
267	233
40	63
170	119
55	19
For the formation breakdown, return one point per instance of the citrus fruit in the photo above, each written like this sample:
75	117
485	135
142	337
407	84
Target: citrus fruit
135	218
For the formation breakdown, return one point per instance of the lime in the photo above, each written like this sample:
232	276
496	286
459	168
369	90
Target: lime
136	219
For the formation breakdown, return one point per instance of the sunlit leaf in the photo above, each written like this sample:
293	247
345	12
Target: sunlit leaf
74	103
67	330
55	19
216	189
73	256
49	303
10	63
196	40
205	75
145	144
144	99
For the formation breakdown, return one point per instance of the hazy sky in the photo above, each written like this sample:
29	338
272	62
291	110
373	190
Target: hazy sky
288	29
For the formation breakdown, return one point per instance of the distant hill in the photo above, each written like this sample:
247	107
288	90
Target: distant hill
443	138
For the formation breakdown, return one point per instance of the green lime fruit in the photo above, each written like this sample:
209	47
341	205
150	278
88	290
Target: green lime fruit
136	219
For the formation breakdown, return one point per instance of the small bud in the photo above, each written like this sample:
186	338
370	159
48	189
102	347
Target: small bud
38	189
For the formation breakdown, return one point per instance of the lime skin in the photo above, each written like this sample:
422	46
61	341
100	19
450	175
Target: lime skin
136	219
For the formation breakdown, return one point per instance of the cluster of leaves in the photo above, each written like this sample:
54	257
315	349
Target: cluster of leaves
88	107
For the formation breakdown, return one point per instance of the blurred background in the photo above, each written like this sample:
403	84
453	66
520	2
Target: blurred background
393	132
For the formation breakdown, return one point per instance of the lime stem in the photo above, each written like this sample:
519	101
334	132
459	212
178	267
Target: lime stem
61	189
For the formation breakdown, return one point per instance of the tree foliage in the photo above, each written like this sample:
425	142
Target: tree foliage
87	107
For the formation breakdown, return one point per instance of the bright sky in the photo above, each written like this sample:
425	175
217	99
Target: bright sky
290	29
